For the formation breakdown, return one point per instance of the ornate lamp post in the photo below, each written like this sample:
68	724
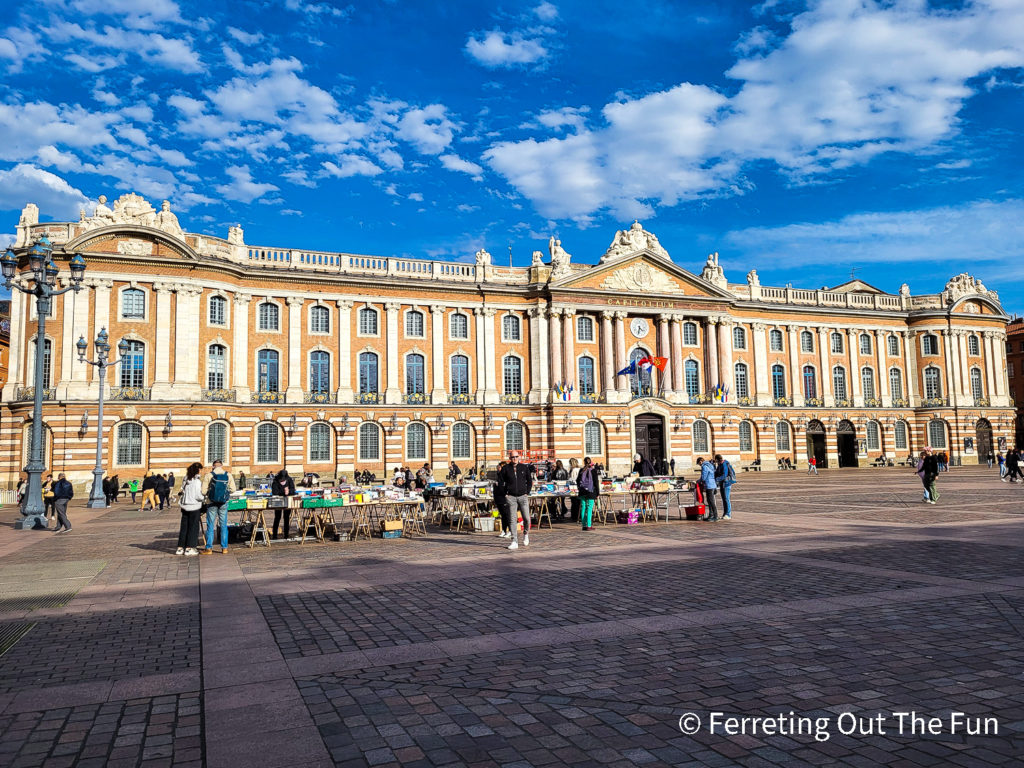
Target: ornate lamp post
98	499
44	280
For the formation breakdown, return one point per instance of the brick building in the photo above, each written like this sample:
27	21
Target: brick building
1015	373
332	361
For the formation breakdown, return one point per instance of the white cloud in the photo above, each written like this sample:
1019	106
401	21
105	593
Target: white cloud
171	52
466	208
350	165
572	117
299	178
242	187
317	9
546	12
427	128
105	97
28	184
24	128
245	38
499	49
458	164
417	196
138	14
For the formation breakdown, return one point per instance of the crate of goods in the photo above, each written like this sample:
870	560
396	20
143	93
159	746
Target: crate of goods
234	504
695	512
483	523
392	534
341	535
312	503
391	525
629	517
662	485
335	502
256	504
277	502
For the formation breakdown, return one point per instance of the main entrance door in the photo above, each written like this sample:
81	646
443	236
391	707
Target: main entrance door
650	437
983	435
816	443
846	439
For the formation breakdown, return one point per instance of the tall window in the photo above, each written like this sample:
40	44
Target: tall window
932	383
319	319
839	382
937	433
267	370
865	344
810	382
782	436
778	381
461	436
414	324
268	316
806	341
640	384
586	375
896	383
459	325
746	437
775	340
217	442
133	304
900	436
369	441
460	375
973	345
592	438
976	389
739	337
47	361
216	364
837	343
319	372
510	328
320	442
700	436
268	443
218	310
867	382
367	322
367	372
690	334
874	440
414	384
930	344
585	328
129	443
416	441
133	365
742	382
512	375
691	370
894	345
515	437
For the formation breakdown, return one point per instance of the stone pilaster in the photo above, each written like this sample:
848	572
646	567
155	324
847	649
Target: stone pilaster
569	348
293	394
853	343
555	351
162	353
910	361
188	303
240	381
825	379
711	353
438	391
490	370
392	394
620	354
345	367
608	368
481	356
795	374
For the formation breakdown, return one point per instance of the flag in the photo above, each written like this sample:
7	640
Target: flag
659	362
645	362
629	370
567	392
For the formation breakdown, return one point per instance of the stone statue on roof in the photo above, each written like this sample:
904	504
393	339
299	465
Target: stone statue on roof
167	221
712	272
636	238
560	258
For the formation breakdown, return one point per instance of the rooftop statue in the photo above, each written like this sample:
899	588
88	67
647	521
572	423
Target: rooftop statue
560	258
628	241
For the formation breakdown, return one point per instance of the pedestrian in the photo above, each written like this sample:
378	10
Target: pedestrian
991	459
642	466
20	493
812	465
170	486
561	475
672	466
518	485
283	485
63	492
241	480
148	492
48	499
454	473
133	488
589	485
709	485
943	461
1012	467
574	502
725	476
501	502
191	507
928	470
217	487
1001	460
161	489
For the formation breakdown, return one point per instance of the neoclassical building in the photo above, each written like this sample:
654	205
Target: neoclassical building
332	361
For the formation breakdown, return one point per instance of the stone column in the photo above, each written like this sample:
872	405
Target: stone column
759	379
569	349
555	350
796	375
345	365
240	380
711	353
950	368
883	369
78	389
965	367
678	373
825	379
14	366
162	352
668	378
725	326
620	355
68	352
999	363
392	393
490	370
439	386
538	356
990	373
186	342
608	369
853	342
481	355
295	378
910	374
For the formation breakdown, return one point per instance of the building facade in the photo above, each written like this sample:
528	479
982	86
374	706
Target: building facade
1015	373
331	362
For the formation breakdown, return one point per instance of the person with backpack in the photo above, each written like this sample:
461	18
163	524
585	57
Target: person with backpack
218	486
725	476
709	485
63	492
191	505
588	485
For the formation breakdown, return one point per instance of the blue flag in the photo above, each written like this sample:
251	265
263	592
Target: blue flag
629	370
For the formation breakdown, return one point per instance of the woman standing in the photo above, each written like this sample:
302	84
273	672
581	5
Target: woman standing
589	485
928	470
561	476
574	502
283	485
501	502
191	507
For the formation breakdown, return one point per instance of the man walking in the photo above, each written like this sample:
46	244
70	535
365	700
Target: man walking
217	488
812	465
725	476
707	481
518	484
63	492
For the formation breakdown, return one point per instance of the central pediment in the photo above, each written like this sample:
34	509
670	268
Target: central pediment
642	273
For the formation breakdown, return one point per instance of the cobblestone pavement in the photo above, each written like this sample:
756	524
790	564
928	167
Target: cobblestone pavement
827	604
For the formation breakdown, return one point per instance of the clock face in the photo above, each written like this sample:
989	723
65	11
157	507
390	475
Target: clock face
638	327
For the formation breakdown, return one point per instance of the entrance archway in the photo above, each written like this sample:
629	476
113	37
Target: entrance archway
846	443
650	437
816	443
983	439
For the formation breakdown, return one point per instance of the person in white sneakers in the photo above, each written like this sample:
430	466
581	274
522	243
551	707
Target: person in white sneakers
501	502
518	483
191	505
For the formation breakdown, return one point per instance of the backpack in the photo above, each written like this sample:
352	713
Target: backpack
585	482
218	491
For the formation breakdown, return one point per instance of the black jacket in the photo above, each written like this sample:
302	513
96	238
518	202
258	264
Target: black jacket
930	466
278	486
149	483
644	468
595	475
516	479
62	489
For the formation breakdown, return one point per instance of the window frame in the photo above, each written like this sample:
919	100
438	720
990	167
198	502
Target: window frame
315	428
839	375
223	373
739	338
413	317
930	340
836	343
778	374
741	383
861	339
412	377
783	437
323	311
596	428
943	444
586	375
687	328
122	315
804	337
701	443
900	436
453	389
217	299
773	335
931	376
366	312
324	363
518	375
867	381
746	441
973	345
364	430
119	450
509	321
420	429
362	361
583	321
468	440
691	377
272	427
463	318
210	457
259	316
809	375
136	373
873	427
896	383
889	341
276	378
518	425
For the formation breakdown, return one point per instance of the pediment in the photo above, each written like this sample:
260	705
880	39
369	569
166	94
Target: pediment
130	241
856	286
642	273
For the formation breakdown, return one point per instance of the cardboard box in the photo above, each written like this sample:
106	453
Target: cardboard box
391	525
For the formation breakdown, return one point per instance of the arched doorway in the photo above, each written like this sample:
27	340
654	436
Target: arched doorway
983	438
816	443
650	437
846	443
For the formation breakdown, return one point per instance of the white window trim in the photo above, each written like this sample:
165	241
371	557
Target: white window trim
601	438
523	389
801	342
504	436
735	346
227	441
405	320
331	442
753	436
280	316
309	320
938	345
227	310
359	333
472	442
469	326
114	451
693	436
331	375
255	443
367	350
359	442
505	338
120	305
593	330
256	367
227	362
782	338
426	442
682	335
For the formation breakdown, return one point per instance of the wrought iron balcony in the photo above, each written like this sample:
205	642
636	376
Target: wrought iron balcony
131	393
745	400
513	399
29	393
219	395
460	398
934	402
320	397
414	398
872	402
702	398
814	402
268	397
900	402
844	403
592	397
641	391
369	398
982	402
787	401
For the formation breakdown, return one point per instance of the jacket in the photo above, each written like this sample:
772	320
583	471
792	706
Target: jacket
930	465
191	495
724	474
207	478
277	488
62	489
595	477
707	476
148	483
644	468
517	479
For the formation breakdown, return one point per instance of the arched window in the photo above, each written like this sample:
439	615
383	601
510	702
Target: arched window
894	345
217	442
865	344
746	437
739	337
690	334
461	441
640	383
268	443
460	375
320	442
133	304
584	328
806	341
700	436
129	444
319	319
459	325
515	437
47	361
512	375
586	375
742	381
937	433
369	441
973	345
267	368
810	382
691	370
900	436
896	384
367	372
932	383
930	344
368	322
218	310
839	382
873	436
782	436
319	372
216	366
867	382
416	441
837	343
510	328
592	438
268	316
133	365
976	388
414	324
778	382
775	340
414	377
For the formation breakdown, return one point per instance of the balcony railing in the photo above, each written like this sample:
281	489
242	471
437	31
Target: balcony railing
813	402
702	398
591	397
844	402
745	400
513	399
131	393
414	398
268	397
934	402
787	401
369	398
872	402
320	397
460	398
982	402
29	393
219	395
900	402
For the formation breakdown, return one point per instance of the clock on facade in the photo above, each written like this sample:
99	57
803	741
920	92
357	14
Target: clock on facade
639	327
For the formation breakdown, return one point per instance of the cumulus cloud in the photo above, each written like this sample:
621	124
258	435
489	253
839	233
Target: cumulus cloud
350	165
500	49
26	183
460	165
242	187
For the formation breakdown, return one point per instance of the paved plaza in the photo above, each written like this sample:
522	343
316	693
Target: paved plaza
827	606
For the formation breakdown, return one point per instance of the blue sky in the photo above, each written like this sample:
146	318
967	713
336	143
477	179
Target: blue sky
800	139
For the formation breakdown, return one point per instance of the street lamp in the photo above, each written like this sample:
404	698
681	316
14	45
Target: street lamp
98	499
44	279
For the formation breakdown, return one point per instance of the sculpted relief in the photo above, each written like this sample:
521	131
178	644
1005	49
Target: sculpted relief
135	210
642	278
631	240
